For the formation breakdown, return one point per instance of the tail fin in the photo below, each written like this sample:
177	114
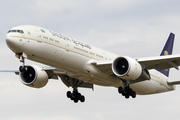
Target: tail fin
167	50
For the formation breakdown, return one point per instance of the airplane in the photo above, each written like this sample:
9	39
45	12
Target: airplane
79	64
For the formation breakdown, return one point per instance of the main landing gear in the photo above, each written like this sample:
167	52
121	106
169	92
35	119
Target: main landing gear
75	95
127	91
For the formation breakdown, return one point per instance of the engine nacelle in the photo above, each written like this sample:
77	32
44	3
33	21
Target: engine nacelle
126	68
34	76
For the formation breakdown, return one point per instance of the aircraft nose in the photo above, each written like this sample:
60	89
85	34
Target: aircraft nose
9	41
13	44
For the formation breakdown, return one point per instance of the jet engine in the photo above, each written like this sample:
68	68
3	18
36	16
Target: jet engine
126	68
34	76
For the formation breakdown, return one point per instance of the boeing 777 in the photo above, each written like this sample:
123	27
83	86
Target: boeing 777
79	64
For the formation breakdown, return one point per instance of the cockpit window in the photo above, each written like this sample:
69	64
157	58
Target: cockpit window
19	31
13	30
22	31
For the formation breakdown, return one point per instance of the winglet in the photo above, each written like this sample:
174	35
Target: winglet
167	50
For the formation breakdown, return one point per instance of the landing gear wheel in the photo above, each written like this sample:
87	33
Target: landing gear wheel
75	100
79	96
123	93
133	94
69	94
72	98
75	96
120	90
126	96
127	92
82	98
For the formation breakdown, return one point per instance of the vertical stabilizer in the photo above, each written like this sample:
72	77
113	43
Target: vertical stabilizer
167	50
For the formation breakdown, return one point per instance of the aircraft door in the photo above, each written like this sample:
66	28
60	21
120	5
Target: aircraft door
38	35
68	46
105	56
22	33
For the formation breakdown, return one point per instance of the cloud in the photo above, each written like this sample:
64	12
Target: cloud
113	5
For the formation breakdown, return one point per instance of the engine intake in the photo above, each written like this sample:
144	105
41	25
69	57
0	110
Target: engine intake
34	76
126	68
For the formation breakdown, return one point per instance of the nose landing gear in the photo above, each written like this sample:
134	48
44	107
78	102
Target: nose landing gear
22	68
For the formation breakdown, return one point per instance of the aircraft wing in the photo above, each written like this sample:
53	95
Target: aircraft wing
54	73
162	62
14	71
104	66
65	78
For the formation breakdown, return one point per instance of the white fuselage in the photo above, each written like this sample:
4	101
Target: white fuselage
75	57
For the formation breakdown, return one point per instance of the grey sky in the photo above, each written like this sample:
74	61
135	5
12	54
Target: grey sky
136	28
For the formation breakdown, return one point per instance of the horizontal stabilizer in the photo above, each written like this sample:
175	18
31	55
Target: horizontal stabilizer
174	83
